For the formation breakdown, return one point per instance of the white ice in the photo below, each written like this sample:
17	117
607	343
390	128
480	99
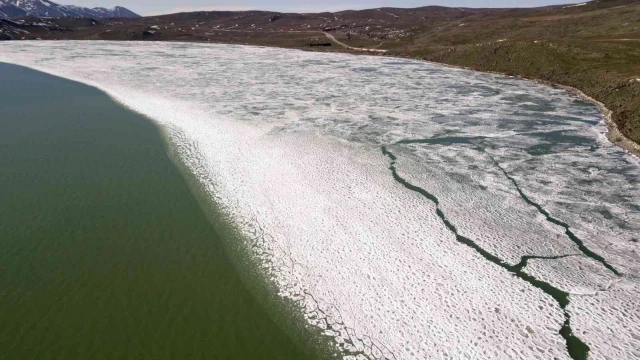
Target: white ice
288	144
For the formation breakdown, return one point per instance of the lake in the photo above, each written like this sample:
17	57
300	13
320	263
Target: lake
402	209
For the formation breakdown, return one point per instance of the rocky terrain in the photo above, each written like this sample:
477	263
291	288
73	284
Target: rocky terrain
13	9
593	46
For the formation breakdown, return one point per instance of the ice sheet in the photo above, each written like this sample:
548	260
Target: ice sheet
289	144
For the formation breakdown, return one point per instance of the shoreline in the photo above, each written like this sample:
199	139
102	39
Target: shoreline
613	134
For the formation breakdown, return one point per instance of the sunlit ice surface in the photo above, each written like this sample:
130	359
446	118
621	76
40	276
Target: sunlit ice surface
413	211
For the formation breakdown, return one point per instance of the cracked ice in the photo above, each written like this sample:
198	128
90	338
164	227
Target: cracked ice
287	144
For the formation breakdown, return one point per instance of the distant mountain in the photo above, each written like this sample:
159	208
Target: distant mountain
11	9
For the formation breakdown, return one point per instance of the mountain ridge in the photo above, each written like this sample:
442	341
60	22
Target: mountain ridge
13	9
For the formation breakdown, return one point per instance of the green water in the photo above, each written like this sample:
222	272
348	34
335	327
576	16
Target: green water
104	251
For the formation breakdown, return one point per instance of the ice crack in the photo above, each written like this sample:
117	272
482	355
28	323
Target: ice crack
578	350
583	248
525	260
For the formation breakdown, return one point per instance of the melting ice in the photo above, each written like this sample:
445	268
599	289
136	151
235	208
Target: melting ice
289	144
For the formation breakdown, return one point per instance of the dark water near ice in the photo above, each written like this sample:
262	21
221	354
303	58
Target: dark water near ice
104	251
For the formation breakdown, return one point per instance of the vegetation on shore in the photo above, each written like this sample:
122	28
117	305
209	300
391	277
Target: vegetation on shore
594	48
605	71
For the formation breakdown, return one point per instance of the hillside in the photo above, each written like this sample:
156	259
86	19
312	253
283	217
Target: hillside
593	46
